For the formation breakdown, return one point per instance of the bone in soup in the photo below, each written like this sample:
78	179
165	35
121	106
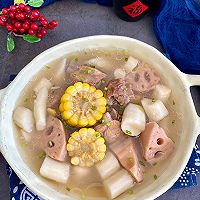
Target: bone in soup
97	123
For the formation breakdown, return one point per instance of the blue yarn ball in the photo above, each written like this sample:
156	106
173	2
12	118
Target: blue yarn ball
177	27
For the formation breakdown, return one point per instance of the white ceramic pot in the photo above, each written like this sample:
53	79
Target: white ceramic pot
178	81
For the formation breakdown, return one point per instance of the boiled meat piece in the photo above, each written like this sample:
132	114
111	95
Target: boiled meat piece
113	131
120	91
107	117
54	98
155	143
88	74
110	129
101	128
115	115
54	139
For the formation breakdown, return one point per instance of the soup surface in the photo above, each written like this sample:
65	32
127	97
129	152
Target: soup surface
138	124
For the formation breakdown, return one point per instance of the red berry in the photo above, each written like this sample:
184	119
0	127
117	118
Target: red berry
20	16
42	18
35	14
21	6
9	27
2	23
26	26
34	26
18	25
13	21
39	35
37	11
27	21
5	11
54	23
27	9
12	15
32	18
31	32
15	30
51	27
43	32
13	8
22	30
3	18
44	23
18	10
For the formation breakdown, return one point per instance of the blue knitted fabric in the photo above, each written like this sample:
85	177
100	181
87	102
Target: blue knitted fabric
7	3
177	26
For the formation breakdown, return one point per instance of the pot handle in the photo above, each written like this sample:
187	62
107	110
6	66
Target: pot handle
194	80
2	92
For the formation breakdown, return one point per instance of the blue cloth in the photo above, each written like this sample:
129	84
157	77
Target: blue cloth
7	3
101	2
187	179
105	2
177	27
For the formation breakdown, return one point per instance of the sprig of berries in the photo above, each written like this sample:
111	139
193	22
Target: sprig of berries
21	21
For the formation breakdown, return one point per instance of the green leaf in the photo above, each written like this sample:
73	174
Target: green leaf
35	3
10	43
0	12
31	38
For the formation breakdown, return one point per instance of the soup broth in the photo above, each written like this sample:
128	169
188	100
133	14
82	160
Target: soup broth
84	182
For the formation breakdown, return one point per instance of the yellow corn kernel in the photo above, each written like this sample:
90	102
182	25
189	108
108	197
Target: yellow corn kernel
52	112
75	160
93	147
97	115
71	90
101	101
101	148
68	105
78	86
61	109
73	120
92	89
98	94
91	131
86	87
66	97
71	139
76	136
83	131
91	135
100	141
67	114
101	156
70	147
101	109
83	121
91	120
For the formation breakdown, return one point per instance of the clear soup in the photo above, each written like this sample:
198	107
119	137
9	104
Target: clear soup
85	182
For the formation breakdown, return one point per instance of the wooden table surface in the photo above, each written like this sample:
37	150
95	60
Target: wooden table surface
78	19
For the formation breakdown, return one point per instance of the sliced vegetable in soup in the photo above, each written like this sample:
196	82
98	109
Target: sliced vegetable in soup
97	123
